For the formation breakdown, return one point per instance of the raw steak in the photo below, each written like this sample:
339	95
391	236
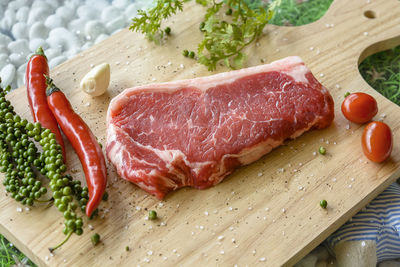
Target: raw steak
195	132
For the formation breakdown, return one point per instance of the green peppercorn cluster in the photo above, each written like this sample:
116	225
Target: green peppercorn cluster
18	156
21	162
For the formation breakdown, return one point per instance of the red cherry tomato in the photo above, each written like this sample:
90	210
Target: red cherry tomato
377	141
359	107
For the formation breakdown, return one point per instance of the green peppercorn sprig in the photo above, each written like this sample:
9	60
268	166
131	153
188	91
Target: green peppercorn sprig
21	162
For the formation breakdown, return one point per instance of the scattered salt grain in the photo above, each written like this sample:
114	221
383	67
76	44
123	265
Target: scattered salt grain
363	243
365	33
174	250
333	179
117	63
254	252
352	179
92	65
146	260
233	240
181	66
262	259
311	48
27	209
169	63
138	208
259	174
350	185
46	258
283	210
250	208
163	224
154	79
300	187
206	213
266	209
314	153
201	227
321	75
221	237
160	204
19	209
347	126
337	86
90	227
150	253
222	252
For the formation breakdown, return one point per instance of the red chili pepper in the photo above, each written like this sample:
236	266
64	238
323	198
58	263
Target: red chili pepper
84	143
36	88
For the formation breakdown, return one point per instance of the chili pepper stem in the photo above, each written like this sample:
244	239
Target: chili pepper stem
62	243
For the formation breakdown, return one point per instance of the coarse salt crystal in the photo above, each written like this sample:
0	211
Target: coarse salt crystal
90	227
160	204
347	126
181	66
333	179
365	33
300	187
254	251
262	259
19	209
314	153
260	174
350	185
138	208
250	208
174	250
206	213
146	260
92	65
337	85
321	75
201	227
233	240
150	253
221	237
283	210
266	209
311	48
46	258
222	252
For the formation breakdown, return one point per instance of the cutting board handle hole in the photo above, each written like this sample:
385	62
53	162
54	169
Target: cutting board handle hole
370	14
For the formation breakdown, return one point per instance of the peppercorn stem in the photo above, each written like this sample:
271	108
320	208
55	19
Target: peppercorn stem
62	243
44	201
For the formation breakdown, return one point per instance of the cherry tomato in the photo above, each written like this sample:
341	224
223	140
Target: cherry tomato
359	107
377	141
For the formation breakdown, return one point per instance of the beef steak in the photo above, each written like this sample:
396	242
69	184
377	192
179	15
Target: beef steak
195	132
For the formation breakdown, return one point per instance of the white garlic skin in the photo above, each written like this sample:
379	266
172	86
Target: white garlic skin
96	81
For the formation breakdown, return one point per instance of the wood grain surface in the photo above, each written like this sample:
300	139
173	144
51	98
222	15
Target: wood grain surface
264	214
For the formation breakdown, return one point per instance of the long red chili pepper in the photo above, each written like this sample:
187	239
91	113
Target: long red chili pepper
36	89
84	143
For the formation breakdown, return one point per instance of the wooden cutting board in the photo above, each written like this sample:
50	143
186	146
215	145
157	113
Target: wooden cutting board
264	214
